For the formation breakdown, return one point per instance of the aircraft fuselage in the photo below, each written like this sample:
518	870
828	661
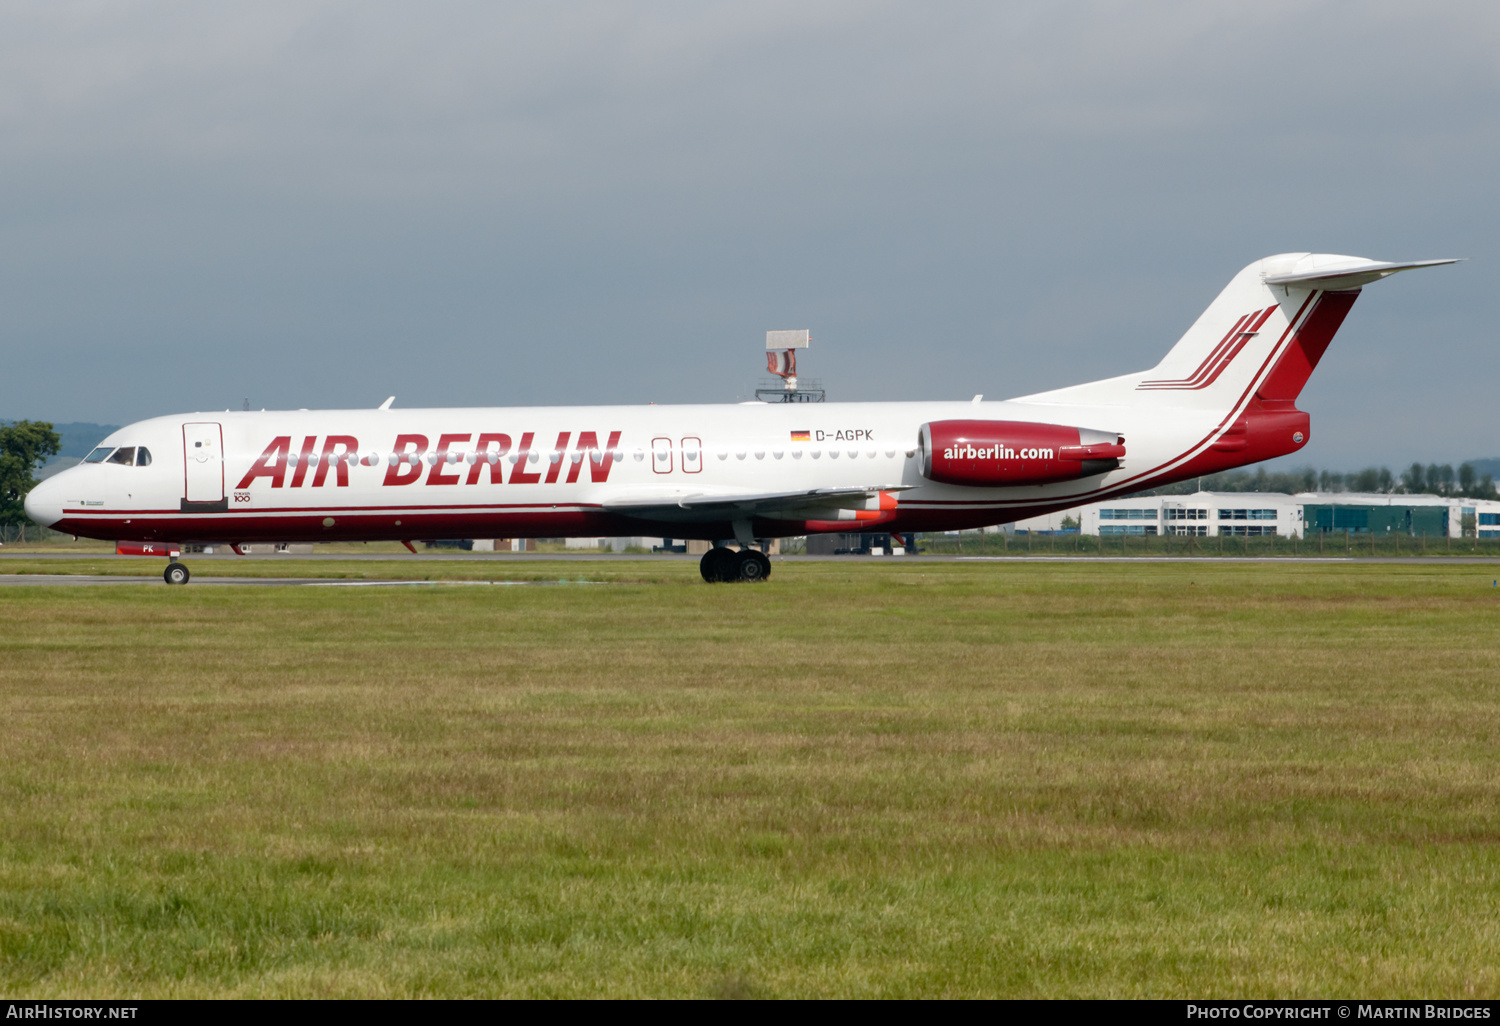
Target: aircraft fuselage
554	471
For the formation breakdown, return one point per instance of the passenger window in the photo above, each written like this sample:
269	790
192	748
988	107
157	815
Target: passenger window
143	457
99	455
124	456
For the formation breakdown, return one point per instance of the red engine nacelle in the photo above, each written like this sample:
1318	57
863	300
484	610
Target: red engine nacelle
1014	452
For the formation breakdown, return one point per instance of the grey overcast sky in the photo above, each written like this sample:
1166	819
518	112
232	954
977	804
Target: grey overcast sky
320	204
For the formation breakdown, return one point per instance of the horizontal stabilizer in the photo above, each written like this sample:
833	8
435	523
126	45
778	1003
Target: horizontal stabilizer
1337	274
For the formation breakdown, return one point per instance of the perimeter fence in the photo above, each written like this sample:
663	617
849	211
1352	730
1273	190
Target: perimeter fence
1324	543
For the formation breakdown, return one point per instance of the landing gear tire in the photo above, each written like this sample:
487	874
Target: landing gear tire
725	566
716	565
750	565
765	565
176	573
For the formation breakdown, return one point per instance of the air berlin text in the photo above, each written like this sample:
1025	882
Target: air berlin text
455	459
996	452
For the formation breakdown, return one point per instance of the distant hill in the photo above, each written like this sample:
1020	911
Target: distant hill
56	465
1483	467
78	438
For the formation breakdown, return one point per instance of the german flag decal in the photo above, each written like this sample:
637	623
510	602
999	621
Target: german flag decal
802	436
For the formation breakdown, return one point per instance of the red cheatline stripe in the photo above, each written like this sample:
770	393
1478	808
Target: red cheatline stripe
1244	337
1223	355
1212	367
1225	359
1242	334
342	510
1206	360
1241	339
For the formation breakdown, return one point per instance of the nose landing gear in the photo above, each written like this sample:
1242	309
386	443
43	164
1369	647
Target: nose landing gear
176	573
721	565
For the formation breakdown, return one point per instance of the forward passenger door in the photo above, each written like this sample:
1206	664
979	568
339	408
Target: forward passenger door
203	467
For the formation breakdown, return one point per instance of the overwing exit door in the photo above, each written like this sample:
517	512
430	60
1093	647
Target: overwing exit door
203	473
661	455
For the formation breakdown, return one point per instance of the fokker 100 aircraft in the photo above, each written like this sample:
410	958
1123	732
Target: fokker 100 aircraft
1224	396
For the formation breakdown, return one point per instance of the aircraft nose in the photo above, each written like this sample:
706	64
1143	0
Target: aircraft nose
44	503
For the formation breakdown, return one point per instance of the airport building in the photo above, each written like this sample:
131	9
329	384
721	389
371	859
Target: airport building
1201	514
1254	514
615	544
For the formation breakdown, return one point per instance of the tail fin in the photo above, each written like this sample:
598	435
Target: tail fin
1265	333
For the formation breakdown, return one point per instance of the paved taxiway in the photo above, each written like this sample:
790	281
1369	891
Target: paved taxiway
48	580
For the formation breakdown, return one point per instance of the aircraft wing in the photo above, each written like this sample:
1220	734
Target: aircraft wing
685	504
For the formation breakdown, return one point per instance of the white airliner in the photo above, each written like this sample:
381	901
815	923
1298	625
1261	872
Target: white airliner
1224	396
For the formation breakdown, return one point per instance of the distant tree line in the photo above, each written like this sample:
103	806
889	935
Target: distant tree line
24	446
1433	479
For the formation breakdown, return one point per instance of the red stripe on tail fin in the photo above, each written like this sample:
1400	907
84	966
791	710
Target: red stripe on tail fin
1296	365
1202	367
1246	328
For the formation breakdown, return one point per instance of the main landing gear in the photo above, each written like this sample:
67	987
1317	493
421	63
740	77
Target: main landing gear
720	565
176	573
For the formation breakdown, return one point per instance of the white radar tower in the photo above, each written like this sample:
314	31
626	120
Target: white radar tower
781	360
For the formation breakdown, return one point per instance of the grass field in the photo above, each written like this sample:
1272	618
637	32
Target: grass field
872	779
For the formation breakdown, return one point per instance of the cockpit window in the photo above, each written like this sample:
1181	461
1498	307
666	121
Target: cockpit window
125	456
99	455
143	457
